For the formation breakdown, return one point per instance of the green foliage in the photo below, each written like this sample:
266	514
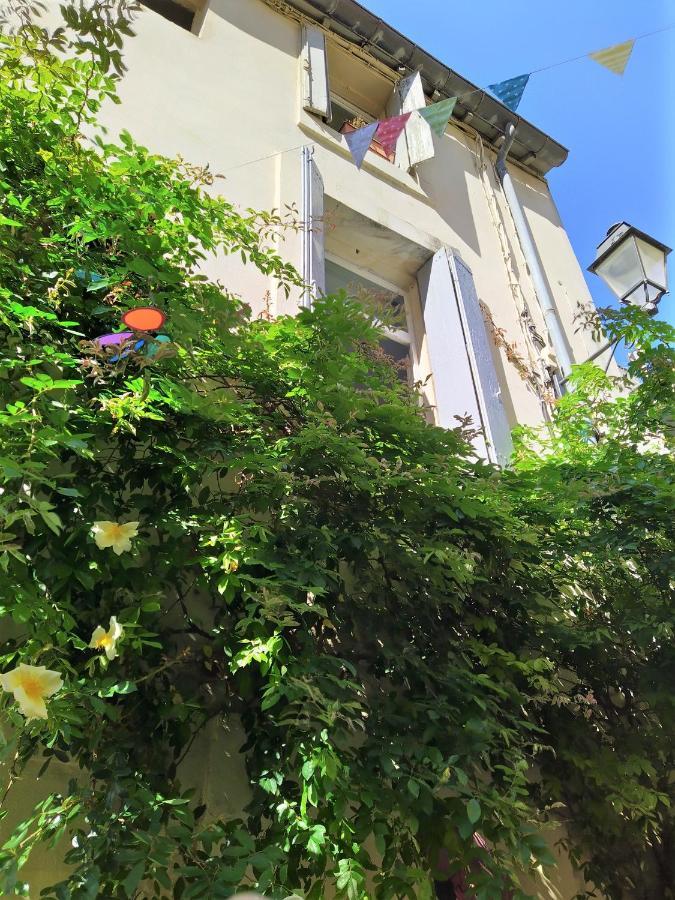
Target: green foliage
404	634
600	484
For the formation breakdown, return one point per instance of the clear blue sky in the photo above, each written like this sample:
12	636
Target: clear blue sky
620	131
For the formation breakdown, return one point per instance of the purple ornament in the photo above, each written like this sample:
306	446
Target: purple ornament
109	339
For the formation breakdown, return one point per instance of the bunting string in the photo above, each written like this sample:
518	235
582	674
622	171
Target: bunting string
615	58
510	92
564	62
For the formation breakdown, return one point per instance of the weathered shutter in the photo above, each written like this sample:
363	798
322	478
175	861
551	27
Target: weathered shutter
315	88
417	137
313	257
465	380
495	420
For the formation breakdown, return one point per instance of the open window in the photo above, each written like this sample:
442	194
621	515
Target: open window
375	294
435	333
346	94
188	14
346	118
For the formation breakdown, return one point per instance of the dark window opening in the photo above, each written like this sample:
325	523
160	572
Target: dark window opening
178	13
399	354
341	114
346	118
395	344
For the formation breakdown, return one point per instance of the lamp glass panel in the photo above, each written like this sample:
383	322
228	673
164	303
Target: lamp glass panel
622	269
654	262
644	295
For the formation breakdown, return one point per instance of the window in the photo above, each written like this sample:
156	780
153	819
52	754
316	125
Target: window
396	342
346	118
343	112
334	77
181	12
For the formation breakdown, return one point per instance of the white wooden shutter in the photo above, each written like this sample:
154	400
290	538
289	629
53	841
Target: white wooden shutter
313	256
494	416
465	379
417	139
314	62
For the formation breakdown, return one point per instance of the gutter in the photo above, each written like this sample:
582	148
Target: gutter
352	22
541	286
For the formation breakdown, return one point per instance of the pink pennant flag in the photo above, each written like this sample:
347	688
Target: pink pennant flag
359	142
389	131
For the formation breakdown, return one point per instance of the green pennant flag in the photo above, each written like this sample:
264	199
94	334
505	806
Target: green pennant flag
438	114
614	58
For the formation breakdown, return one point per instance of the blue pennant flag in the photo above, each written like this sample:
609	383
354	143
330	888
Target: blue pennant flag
510	92
359	142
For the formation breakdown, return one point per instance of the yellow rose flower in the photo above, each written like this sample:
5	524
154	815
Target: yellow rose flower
30	686
112	534
107	640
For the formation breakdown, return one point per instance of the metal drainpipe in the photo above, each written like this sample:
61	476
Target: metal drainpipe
541	288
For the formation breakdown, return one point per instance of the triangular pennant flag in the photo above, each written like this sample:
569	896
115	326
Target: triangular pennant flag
614	58
359	141
389	131
510	91
438	114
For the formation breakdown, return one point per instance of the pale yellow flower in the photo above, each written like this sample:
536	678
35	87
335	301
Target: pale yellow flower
107	640
112	534
30	686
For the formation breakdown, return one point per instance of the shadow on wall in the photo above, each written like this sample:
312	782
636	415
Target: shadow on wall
46	865
535	197
445	178
261	22
507	400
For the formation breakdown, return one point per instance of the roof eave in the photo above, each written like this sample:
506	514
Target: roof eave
353	22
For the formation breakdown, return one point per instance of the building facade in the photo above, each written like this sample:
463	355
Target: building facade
264	92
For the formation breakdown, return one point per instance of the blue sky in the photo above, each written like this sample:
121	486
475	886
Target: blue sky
620	131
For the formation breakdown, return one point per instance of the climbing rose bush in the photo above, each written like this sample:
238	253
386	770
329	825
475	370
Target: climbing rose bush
416	647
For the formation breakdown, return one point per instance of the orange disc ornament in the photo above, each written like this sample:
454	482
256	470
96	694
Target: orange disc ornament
144	318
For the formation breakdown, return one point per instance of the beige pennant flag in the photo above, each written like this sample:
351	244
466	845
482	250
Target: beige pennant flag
614	58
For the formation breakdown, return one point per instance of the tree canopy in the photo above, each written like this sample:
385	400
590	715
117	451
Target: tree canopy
253	521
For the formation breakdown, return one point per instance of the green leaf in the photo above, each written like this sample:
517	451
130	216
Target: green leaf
473	810
134	877
142	267
317	839
120	687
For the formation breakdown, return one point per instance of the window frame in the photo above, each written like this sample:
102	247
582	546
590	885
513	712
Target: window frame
405	337
198	15
337	100
350	107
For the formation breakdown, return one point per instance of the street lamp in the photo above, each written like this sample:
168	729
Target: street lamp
633	265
